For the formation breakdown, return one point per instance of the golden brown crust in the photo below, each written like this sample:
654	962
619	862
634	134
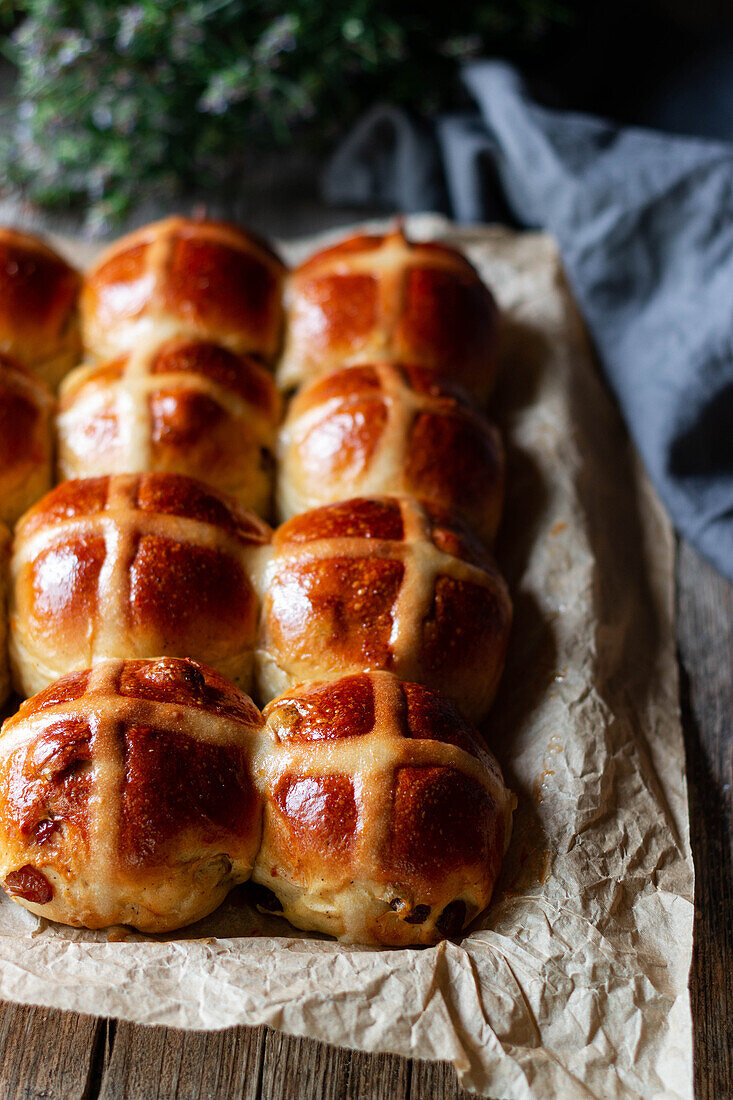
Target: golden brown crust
384	583
129	790
126	795
5	540
184	276
386	297
187	406
26	439
39	324
390	428
385	819
133	566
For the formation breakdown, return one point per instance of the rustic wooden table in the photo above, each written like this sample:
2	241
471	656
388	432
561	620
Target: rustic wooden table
50	1054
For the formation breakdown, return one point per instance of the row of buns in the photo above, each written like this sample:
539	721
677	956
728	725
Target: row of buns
141	792
367	298
187	406
153	562
147	565
182	324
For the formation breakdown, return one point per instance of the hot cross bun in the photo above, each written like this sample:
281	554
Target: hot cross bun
383	583
187	406
132	566
39	320
390	428
26	439
385	297
182	276
385	819
126	795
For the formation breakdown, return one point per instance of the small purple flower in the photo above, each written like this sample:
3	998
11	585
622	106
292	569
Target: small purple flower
71	47
102	116
130	21
280	37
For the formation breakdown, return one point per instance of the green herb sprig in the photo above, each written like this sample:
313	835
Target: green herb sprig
116	102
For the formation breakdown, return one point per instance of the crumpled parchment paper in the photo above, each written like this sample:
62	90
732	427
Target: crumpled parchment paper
574	983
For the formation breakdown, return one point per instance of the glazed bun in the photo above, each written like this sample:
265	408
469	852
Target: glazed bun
26	439
126	795
184	277
390	428
39	321
383	583
385	819
186	406
4	596
132	566
385	297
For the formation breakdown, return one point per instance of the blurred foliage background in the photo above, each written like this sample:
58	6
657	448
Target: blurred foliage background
157	95
114	102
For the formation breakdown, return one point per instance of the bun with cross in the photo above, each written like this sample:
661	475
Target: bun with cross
390	427
133	566
186	406
26	439
186	276
144	597
386	297
383	583
126	795
385	819
39	319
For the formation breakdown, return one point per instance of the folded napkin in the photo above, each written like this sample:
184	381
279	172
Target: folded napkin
645	226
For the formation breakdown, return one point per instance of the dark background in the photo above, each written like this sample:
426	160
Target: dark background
667	64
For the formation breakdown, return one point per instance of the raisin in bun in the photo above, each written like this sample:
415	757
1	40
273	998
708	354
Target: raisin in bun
126	795
39	321
26	439
390	428
186	406
184	276
386	297
383	583
385	819
133	566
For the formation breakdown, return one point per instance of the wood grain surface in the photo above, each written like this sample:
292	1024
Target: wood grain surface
705	642
48	1055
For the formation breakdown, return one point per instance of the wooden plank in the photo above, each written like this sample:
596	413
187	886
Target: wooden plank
378	1077
436	1081
46	1053
161	1063
705	638
295	1069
